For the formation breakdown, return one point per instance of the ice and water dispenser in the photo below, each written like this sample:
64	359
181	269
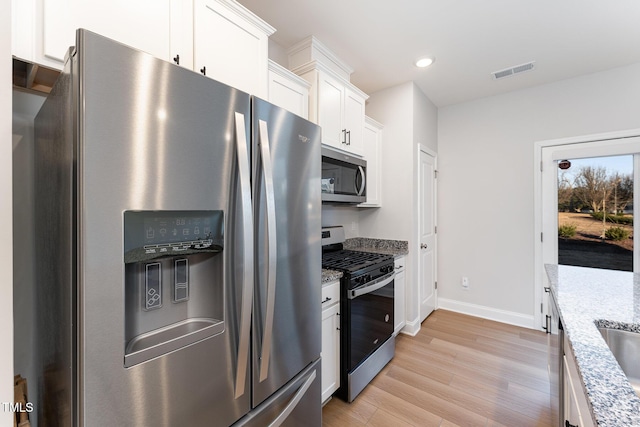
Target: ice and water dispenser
174	293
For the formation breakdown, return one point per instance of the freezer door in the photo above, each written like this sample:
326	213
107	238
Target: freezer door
296	404
160	140
286	178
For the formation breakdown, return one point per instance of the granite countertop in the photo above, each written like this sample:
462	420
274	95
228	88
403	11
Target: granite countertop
330	275
380	246
589	298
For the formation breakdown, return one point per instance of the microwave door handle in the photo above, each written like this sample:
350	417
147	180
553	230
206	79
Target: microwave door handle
247	262
372	286
267	167
364	181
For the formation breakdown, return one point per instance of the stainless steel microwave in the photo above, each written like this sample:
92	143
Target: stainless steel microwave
344	178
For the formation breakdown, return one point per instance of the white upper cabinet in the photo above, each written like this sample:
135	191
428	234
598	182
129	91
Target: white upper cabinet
329	109
334	103
231	45
288	91
373	155
43	30
219	38
354	120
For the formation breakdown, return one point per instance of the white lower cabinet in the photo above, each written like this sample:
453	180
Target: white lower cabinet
399	285
330	380
576	407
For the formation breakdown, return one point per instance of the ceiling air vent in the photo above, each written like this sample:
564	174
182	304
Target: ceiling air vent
513	70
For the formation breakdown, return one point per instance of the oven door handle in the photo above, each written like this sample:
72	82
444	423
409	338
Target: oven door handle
372	286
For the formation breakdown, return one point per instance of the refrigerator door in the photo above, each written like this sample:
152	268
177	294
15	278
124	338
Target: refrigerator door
155	141
286	178
296	404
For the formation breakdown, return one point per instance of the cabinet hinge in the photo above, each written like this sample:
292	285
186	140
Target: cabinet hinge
541	238
435	174
436	284
541	308
435	229
540	165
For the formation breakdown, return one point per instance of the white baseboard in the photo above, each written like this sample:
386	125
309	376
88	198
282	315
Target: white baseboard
411	328
510	317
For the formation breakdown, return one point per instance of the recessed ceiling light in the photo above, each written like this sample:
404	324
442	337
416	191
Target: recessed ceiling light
424	62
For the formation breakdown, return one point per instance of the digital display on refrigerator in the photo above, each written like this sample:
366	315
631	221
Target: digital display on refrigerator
154	234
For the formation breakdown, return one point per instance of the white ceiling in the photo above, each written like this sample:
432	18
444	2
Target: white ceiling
380	40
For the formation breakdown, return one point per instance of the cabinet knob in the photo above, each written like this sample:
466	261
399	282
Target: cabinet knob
203	70
344	136
423	246
176	59
568	424
349	135
326	300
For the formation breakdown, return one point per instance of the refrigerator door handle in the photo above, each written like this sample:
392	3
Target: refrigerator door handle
247	272
294	401
267	167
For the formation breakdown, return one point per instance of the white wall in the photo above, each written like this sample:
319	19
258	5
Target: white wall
393	108
6	238
425	120
347	216
485	193
409	119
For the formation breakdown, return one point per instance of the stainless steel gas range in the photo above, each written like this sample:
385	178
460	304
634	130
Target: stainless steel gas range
366	324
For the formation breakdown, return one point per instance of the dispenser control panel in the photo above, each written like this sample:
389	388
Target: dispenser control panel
149	235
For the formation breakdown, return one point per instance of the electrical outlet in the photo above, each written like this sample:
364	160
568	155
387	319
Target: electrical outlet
465	282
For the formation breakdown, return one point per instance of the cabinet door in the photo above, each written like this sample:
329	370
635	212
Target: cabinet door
576	408
330	351
230	47
354	121
372	151
399	284
330	110
143	24
571	409
288	93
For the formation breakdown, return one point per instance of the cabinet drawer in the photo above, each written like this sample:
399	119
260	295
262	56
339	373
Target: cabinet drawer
330	294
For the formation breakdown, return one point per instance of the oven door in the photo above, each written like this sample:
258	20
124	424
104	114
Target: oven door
370	318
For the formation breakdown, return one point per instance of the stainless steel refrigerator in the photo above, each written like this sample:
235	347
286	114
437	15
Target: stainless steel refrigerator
178	251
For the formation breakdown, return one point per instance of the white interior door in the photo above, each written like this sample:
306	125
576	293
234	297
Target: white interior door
427	268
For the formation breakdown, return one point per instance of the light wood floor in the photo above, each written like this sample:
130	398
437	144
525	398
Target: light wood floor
458	371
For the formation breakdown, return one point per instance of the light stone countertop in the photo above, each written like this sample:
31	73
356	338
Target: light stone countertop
379	246
330	275
589	298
